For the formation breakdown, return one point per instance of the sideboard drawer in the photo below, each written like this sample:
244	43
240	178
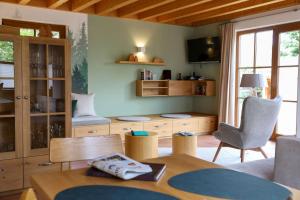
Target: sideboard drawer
122	128
185	125
91	130
162	128
11	174
207	124
38	164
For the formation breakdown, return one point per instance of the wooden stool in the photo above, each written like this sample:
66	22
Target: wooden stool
184	144
141	147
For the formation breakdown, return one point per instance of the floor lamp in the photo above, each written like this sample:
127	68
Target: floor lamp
253	81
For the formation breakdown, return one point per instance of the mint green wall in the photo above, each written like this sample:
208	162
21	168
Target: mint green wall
111	39
210	70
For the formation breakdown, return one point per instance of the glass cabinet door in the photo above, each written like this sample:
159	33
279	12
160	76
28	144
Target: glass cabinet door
46	88
10	97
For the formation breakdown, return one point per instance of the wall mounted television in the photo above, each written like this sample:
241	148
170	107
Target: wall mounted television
203	50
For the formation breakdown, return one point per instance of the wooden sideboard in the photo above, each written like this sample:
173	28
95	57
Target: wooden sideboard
165	127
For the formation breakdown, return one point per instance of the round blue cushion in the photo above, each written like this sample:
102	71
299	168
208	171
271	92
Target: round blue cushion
106	192
228	184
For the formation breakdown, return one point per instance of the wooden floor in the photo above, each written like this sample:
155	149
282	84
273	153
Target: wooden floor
203	141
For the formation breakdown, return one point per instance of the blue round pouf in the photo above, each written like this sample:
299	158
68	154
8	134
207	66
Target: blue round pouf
228	184
106	192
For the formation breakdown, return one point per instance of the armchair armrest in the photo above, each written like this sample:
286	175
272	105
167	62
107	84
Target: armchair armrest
287	161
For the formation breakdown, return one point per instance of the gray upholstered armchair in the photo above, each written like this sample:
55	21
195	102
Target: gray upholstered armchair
258	120
284	169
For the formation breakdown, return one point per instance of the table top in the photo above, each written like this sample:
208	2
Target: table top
47	185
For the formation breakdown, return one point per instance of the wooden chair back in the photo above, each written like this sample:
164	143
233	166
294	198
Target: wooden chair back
28	195
83	148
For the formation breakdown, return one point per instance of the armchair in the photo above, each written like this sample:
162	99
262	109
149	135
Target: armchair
258	120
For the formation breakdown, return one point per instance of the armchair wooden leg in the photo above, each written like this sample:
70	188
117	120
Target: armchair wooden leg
242	155
218	151
263	152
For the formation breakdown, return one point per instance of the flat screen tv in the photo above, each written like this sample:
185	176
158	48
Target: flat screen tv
202	50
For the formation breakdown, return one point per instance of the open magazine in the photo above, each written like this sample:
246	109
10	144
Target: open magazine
121	166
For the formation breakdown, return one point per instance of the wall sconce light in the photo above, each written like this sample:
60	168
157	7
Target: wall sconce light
140	49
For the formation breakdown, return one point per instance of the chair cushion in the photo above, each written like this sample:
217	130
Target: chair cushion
134	119
176	116
260	168
89	120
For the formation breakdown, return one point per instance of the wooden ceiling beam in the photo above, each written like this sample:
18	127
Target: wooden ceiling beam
23	2
56	3
197	9
79	5
227	10
170	7
262	9
140	6
107	6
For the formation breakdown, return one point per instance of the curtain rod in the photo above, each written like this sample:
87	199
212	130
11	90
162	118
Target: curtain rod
250	18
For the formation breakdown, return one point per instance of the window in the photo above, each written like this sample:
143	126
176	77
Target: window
255	57
32	28
6	64
273	52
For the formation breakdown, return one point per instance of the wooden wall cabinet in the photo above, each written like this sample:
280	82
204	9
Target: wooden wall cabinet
35	96
180	88
151	88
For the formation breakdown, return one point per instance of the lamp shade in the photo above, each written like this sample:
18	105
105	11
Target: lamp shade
253	80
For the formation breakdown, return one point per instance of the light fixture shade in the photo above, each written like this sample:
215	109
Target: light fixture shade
140	49
253	80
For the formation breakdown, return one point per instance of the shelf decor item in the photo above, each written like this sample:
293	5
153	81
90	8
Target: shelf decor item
157	60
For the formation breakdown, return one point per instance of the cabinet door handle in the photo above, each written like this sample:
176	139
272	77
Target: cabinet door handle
45	164
185	124
92	131
157	126
18	97
26	97
126	129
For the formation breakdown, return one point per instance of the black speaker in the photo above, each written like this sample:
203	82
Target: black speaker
166	75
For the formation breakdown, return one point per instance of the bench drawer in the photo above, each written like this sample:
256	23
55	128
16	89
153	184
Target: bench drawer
207	124
91	130
122	128
190	125
163	128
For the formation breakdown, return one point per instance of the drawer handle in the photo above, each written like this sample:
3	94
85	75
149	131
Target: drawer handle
92	131
185	124
157	126
126	129
45	164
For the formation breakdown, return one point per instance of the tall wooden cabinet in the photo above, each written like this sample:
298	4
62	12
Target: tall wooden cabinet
35	87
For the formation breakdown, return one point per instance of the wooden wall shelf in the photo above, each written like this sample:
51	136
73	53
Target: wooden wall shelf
140	63
154	88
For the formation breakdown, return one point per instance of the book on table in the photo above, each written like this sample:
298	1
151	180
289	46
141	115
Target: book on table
118	165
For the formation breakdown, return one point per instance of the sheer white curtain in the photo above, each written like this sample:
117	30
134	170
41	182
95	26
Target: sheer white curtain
227	75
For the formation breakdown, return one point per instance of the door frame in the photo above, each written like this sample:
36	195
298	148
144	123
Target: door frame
277	29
